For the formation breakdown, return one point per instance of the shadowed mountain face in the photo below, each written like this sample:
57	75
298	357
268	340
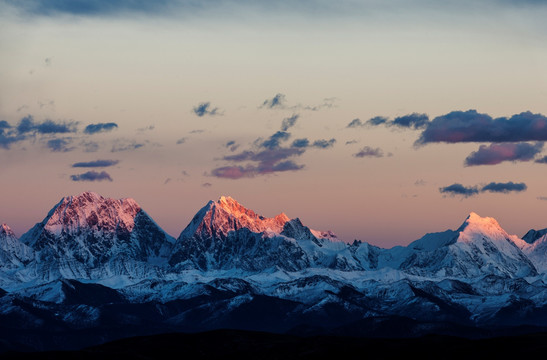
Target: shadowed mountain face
96	269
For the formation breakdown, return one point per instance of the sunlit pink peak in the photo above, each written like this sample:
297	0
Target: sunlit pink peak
476	227
5	230
91	210
226	206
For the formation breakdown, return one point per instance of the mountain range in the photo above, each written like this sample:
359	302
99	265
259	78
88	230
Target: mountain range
97	269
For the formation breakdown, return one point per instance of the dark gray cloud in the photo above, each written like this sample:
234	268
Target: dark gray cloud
100	127
471	126
355	123
268	156
60	145
377	120
323	144
467	191
368	151
459	189
289	122
4	125
320	144
504	187
95	163
301	143
91	176
205	108
275	140
266	162
413	121
278	101
181	141
496	153
542	160
28	125
232	145
91	7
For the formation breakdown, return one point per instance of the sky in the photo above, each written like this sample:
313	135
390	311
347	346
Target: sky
378	120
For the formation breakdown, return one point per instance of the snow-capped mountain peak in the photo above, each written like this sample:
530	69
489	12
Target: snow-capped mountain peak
5	230
91	210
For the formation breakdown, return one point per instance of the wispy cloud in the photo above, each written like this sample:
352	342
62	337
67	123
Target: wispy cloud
205	108
60	145
95	163
91	176
496	153
125	145
100	127
289	122
278	101
410	121
368	151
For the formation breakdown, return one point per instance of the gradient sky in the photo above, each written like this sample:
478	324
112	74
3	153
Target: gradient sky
378	120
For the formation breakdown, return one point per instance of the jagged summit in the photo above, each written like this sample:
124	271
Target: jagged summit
5	230
226	215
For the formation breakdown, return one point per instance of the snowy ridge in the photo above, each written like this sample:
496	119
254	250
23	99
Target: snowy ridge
91	251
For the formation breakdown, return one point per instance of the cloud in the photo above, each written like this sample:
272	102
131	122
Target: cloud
542	198
411	121
90	146
92	7
497	153
414	121
368	151
60	145
349	142
459	189
355	123
206	185
504	187
420	182
541	160
123	145
91	176
205	108
167	181
100	127
232	145
467	191
96	163
181	141
267	161
320	144
4	125
275	140
301	143
377	120
323	144
289	122
471	126
278	101
28	125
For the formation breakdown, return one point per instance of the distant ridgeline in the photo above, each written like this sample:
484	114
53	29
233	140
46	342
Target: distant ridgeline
97	269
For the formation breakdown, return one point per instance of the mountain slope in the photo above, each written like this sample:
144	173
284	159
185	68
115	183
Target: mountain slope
479	247
88	236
